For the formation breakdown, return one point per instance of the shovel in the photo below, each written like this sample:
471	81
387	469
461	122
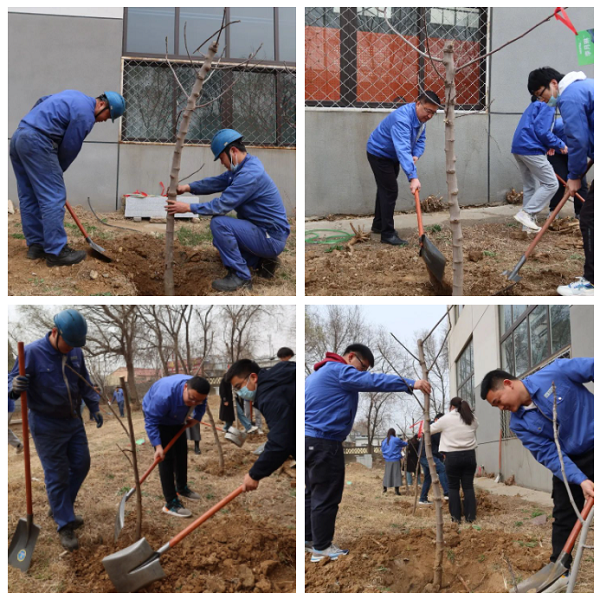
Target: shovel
136	566
434	259
25	537
100	251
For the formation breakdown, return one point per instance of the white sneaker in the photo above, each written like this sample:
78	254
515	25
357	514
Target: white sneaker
332	552
579	287
527	230
252	429
526	219
560	586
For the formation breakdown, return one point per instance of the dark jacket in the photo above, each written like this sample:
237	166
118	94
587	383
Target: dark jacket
276	401
226	412
412	452
435	446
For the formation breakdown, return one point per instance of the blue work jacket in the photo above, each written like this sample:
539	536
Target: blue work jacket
118	396
576	105
400	136
163	404
250	192
533	135
392	449
54	390
67	118
331	398
575	415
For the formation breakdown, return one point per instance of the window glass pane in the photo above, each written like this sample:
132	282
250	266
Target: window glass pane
147	29
518	311
505	318
561	329
538	328
521	349
288	109
254	112
256	28
287	34
508	357
322	17
199	23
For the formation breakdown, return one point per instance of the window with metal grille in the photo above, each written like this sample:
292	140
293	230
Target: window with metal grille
258	98
465	374
354	58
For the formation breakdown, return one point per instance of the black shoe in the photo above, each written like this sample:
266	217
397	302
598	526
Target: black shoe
35	251
393	240
197	451
77	523
67	257
231	283
266	267
68	538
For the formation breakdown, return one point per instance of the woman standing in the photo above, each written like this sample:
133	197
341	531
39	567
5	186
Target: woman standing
458	442
391	448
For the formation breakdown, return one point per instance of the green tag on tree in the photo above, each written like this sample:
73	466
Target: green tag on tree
585	47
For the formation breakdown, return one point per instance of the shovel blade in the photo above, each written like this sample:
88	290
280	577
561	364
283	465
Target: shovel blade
22	545
134	567
120	520
541	580
236	436
434	259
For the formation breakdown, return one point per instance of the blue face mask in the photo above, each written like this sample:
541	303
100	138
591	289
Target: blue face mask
234	167
245	393
553	101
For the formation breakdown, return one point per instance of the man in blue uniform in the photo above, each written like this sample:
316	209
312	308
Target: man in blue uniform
257	236
166	408
54	394
531	402
120	399
331	402
42	148
398	141
573	93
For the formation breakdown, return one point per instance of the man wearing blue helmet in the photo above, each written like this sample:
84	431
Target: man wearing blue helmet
54	394
42	148
258	235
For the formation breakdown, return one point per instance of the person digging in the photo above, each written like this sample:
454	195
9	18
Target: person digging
531	402
54	394
166	407
46	142
258	235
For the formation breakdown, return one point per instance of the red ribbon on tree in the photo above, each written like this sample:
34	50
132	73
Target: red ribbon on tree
420	433
562	16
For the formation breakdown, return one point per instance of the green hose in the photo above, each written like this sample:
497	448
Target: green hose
339	237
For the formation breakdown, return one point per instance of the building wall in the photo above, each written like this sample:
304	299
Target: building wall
40	63
339	179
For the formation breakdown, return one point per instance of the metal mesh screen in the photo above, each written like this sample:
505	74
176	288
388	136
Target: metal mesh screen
354	58
259	102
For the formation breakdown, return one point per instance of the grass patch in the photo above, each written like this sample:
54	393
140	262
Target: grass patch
433	228
489	254
187	236
451	556
105	293
536	513
334	247
17	235
481	558
519	523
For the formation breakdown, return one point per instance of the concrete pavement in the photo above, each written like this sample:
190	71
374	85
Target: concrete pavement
538	497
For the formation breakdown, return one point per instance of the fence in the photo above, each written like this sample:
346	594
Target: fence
360	450
354	59
259	101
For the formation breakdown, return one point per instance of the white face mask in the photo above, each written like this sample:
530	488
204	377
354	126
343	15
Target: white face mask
234	167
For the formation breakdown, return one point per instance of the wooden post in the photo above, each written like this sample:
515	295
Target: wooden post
437	488
138	491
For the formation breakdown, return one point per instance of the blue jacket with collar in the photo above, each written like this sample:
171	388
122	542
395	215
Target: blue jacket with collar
392	449
55	390
331	398
163	404
575	415
67	118
533	135
576	105
250	192
400	136
118	396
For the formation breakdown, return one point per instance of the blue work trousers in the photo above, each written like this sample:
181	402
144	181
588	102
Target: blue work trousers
245	422
441	470
41	188
242	244
121	405
62	446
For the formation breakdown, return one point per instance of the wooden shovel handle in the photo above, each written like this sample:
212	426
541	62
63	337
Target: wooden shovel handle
216	427
76	219
561	180
25	421
211	512
577	528
419	215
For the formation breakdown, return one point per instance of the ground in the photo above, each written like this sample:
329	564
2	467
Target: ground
247	546
138	261
372	268
392	551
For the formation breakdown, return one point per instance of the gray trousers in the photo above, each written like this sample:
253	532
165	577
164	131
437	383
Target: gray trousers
13	440
539	182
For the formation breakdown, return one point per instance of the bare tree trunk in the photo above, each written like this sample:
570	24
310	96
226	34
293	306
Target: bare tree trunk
217	440
451	179
138	490
176	164
437	488
131	381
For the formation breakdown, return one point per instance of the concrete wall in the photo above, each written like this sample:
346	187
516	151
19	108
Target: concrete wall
41	63
339	179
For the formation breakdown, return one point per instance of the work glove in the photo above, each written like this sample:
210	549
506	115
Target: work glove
99	420
20	384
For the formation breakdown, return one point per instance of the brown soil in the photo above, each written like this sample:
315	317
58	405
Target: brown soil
138	263
249	546
393	551
377	269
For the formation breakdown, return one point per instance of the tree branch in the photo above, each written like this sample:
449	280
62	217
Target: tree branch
404	346
172	69
420	52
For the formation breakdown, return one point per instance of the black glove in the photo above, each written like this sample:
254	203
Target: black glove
99	420
19	384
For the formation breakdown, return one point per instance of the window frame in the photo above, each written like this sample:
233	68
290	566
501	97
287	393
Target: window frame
468	346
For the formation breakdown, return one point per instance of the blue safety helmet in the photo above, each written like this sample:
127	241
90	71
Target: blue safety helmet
72	327
222	139
116	104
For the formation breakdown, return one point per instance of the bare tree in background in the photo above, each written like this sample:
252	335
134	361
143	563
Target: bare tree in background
240	327
150	315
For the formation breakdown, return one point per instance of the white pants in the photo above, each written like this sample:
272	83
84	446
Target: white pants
539	182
